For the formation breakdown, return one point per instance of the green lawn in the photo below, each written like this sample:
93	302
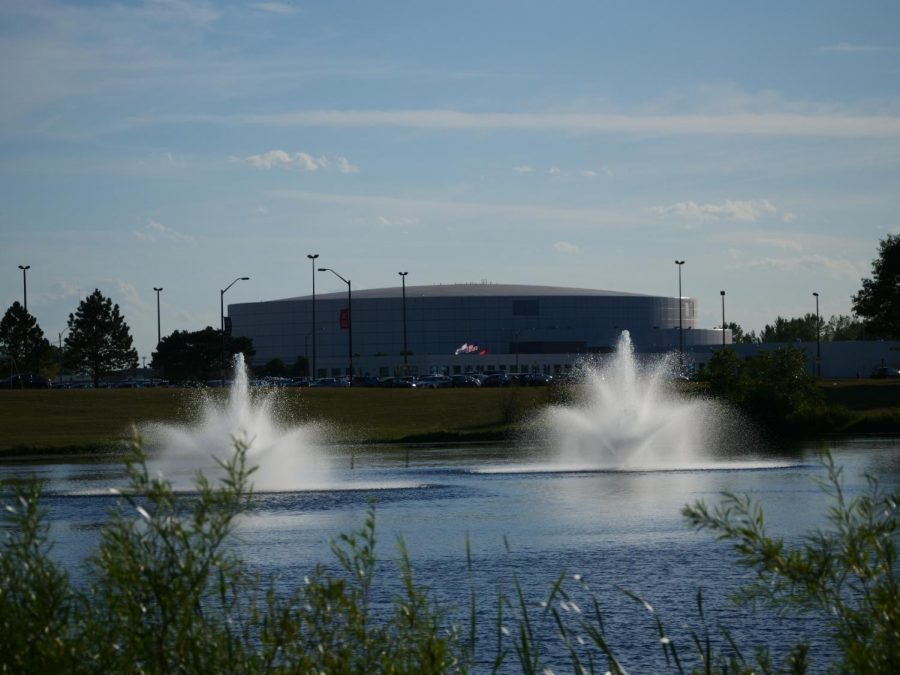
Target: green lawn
91	420
95	419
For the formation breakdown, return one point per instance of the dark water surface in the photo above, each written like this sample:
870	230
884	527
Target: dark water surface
615	529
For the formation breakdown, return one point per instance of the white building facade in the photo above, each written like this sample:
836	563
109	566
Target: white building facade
457	328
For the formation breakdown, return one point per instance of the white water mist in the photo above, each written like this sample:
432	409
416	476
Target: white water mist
287	457
631	417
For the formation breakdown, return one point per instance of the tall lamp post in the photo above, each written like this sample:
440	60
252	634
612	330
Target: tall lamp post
61	333
158	332
818	348
405	350
722	293
349	319
24	269
222	318
680	326
312	259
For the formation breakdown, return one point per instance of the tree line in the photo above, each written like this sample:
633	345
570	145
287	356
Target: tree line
98	340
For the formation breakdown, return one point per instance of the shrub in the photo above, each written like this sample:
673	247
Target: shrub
166	593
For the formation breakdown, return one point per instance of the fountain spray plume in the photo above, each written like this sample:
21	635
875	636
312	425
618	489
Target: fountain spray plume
287	457
632	417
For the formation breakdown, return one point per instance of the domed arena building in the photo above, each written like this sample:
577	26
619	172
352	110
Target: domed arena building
458	328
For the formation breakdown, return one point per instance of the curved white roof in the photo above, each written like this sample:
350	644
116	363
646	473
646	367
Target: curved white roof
468	291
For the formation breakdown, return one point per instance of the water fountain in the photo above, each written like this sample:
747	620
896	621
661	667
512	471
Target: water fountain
286	457
631	416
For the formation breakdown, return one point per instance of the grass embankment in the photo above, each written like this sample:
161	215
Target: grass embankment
73	421
862	406
91	421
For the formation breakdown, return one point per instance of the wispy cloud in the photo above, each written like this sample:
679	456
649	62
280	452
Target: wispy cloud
566	248
281	8
773	124
777	242
344	166
281	159
522	169
536	213
732	209
154	231
849	48
808	263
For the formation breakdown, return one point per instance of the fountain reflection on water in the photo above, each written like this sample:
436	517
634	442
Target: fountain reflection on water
287	457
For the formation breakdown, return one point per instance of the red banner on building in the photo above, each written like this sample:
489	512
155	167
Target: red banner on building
345	319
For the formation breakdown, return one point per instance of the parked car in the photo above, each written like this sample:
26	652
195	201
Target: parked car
496	380
433	382
884	373
365	381
330	382
25	381
464	381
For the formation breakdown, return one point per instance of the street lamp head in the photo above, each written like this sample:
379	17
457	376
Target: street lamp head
323	269
157	289
312	256
245	278
721	292
402	274
816	294
679	262
25	267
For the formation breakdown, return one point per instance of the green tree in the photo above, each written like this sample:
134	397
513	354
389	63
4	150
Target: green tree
878	301
99	341
22	339
275	368
844	327
790	330
300	367
847	573
773	387
197	355
738	336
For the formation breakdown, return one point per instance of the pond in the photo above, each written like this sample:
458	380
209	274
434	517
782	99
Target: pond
523	520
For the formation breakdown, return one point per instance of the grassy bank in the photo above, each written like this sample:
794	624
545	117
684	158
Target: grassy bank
94	420
58	422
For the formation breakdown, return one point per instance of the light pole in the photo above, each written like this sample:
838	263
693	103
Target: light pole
349	319
818	349
312	258
405	350
722	293
158	333
61	333
24	269
680	326
222	318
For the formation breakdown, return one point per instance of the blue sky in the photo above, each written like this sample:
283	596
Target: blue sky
182	144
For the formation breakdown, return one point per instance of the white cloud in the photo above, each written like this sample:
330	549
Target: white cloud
824	123
524	168
555	171
775	242
281	159
740	210
566	248
848	48
344	166
788	217
588	173
275	8
154	231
